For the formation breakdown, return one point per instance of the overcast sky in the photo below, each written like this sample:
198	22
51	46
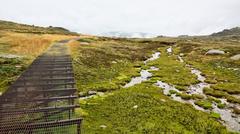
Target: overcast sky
162	17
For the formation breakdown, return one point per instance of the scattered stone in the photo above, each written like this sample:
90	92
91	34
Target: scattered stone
18	66
100	93
114	62
169	50
177	71
92	92
236	110
82	94
215	52
103	126
10	56
181	54
135	107
235	57
163	100
84	43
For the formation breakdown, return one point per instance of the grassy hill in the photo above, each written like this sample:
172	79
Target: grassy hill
23	28
20	44
228	32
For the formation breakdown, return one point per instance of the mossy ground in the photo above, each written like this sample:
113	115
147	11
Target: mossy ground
144	109
105	64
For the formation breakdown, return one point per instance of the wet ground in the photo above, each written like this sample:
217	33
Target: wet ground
228	118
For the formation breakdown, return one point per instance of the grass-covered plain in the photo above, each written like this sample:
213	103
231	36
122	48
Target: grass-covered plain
103	64
106	64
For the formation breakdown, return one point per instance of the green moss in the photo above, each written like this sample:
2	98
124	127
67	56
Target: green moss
172	71
215	115
221	105
204	104
197	96
232	99
152	115
184	96
172	91
215	93
231	88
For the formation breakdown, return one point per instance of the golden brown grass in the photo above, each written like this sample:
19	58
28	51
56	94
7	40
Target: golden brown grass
29	44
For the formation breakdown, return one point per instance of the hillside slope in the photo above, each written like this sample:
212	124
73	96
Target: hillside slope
228	32
23	28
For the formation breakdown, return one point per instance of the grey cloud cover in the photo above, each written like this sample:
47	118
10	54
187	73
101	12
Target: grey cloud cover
162	17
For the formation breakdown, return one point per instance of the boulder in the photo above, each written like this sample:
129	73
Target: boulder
215	52
235	57
92	92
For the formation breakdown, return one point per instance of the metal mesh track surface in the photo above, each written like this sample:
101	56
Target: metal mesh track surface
42	100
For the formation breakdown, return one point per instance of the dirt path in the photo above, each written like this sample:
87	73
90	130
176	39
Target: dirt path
42	98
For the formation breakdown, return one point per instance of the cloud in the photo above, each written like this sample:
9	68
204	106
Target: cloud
163	17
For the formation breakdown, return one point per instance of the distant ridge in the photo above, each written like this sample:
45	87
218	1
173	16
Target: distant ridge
118	34
228	32
24	28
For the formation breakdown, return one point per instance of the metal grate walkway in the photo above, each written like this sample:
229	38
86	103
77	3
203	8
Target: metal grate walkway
42	100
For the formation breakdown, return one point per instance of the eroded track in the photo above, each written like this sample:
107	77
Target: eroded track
42	100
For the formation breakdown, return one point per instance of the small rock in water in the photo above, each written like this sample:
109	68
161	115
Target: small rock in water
235	57
92	92
215	52
135	107
103	126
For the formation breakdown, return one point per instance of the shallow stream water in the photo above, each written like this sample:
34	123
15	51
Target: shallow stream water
228	118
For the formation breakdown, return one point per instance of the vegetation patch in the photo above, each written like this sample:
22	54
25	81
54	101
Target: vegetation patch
140	109
204	104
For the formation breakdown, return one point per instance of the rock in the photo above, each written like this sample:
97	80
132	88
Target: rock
135	107
215	52
100	93
236	110
235	57
177	71
163	100
103	126
169	50
114	62
181	54
84	43
10	56
82	94
0	93
92	92
18	66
